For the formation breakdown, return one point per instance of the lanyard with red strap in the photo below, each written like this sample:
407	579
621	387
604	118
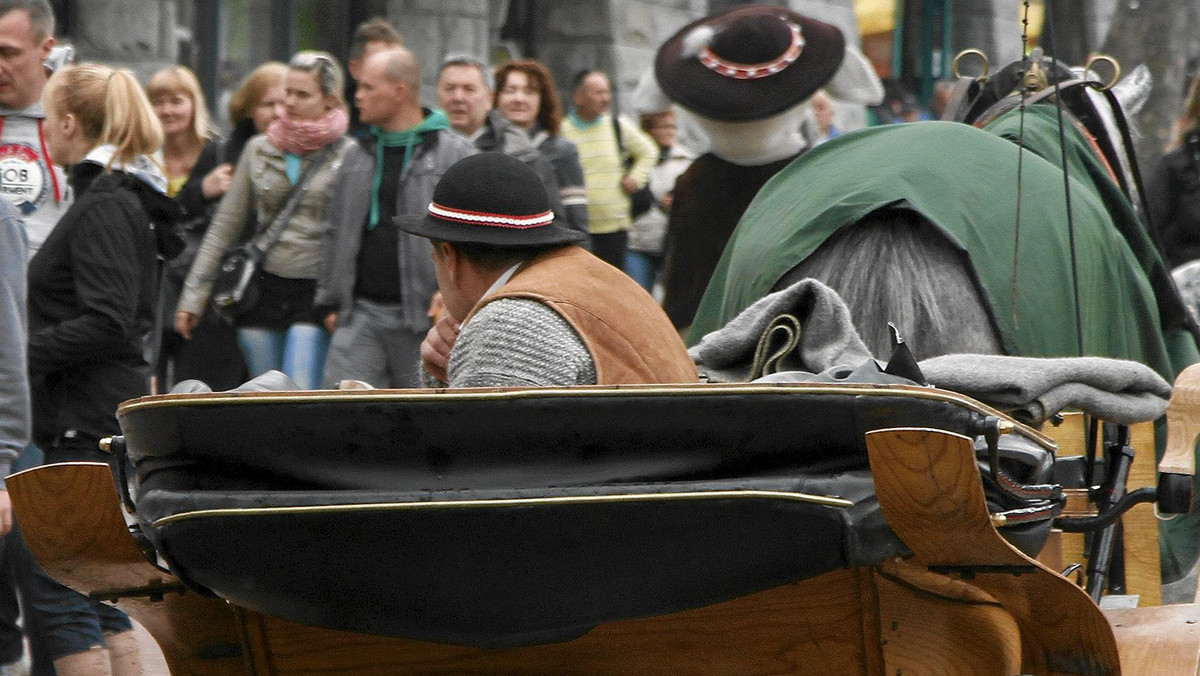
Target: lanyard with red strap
45	156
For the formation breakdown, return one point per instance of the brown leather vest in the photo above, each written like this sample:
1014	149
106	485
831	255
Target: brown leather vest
627	334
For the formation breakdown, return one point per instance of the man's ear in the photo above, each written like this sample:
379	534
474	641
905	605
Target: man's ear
46	46
452	260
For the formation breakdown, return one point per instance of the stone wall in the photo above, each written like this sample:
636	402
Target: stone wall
434	29
991	26
138	34
840	13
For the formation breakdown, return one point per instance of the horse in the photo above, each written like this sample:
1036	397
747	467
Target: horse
973	240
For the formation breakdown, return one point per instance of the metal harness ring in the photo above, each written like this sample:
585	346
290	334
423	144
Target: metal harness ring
1115	66
971	52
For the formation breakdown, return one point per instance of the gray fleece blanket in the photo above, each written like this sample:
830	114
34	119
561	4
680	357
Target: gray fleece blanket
807	327
1032	389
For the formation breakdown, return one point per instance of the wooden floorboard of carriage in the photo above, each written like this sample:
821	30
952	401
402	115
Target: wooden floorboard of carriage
87	545
1162	640
1140	531
937	626
897	619
812	627
930	491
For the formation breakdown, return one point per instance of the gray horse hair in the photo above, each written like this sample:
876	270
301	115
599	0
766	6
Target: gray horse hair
894	266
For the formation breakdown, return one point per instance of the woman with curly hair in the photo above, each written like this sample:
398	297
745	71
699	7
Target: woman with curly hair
526	96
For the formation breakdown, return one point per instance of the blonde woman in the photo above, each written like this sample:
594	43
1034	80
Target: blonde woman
254	105
178	101
92	295
197	177
281	332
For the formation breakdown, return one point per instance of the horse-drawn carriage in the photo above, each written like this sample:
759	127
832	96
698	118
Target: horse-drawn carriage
844	527
848	528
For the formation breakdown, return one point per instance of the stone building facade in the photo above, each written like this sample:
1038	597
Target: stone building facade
223	39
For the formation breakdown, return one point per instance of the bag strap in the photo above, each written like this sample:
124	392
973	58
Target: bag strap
626	160
270	237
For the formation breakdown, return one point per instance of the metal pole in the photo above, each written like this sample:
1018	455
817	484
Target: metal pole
283	29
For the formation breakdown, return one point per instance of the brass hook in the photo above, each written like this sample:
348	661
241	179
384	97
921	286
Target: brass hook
1087	67
1035	79
971	52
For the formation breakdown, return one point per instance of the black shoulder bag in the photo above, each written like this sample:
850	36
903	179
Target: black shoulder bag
238	284
640	201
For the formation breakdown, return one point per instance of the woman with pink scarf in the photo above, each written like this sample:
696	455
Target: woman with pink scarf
280	332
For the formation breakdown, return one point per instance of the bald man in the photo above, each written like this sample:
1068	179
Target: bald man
375	291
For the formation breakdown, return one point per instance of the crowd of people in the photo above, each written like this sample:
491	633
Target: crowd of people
496	238
123	202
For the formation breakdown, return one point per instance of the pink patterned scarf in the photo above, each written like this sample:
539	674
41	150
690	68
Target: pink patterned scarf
301	137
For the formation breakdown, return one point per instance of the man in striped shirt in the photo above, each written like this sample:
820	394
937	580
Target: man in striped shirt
616	156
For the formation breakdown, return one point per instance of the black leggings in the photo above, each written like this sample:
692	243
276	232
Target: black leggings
610	247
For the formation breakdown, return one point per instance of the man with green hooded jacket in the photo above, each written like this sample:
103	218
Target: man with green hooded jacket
378	281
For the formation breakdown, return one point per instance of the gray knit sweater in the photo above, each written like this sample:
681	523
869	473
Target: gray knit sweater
14	377
519	343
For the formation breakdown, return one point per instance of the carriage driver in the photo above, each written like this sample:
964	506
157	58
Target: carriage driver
526	306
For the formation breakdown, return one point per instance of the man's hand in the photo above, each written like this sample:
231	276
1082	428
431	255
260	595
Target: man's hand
331	322
6	518
185	323
629	185
435	349
437	307
217	182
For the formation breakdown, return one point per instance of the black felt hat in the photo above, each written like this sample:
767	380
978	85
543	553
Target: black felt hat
748	63
493	199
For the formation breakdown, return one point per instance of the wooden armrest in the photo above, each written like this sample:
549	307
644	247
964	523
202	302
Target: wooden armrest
931	493
1183	424
70	515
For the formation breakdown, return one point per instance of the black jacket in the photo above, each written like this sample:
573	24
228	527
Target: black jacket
197	213
92	295
1173	194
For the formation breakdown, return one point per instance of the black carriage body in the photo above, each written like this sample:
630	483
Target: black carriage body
512	517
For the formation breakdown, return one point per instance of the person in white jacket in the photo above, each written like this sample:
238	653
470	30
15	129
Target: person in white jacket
28	177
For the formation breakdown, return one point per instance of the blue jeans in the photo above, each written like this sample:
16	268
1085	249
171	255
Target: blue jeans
66	621
299	352
642	267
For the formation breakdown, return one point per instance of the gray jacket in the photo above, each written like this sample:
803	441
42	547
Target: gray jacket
500	135
14	378
346	217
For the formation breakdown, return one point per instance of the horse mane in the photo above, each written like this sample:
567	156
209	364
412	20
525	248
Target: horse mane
894	266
